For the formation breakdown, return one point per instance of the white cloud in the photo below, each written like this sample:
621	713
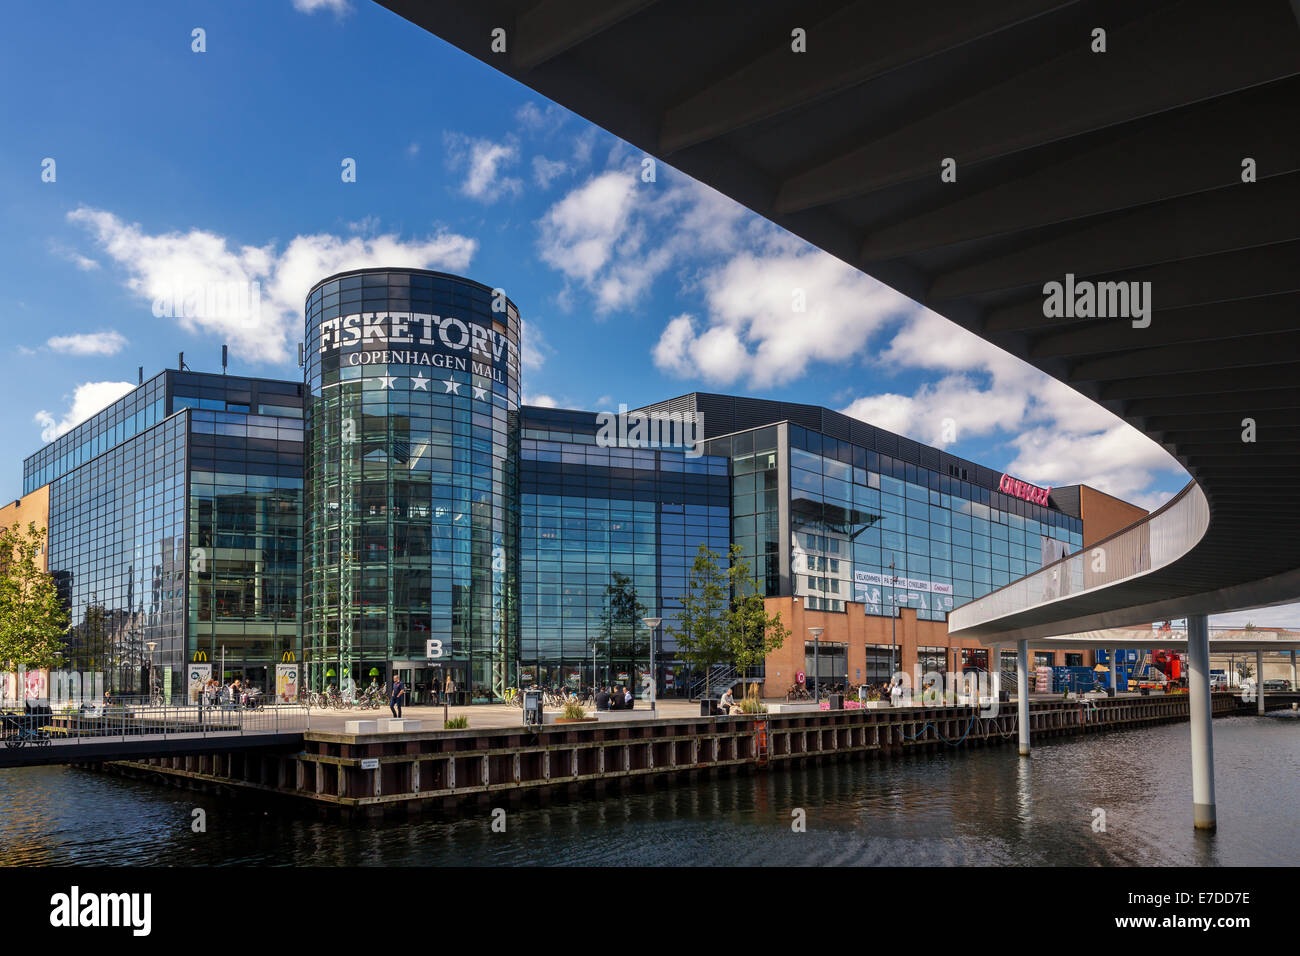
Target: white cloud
541	401
88	343
615	234
337	7
541	119
533	347
1058	436
545	171
584	144
483	162
413	150
162	266
87	399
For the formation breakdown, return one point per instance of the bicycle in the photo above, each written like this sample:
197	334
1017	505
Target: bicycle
797	692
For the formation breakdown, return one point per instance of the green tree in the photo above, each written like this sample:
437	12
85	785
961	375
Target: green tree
752	633
33	624
701	628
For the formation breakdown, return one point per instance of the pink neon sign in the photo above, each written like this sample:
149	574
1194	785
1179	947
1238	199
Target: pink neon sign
1023	489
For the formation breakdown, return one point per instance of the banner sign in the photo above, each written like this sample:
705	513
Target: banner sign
196	676
286	682
1023	490
909	584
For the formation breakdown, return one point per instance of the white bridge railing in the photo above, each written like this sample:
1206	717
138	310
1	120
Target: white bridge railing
1156	541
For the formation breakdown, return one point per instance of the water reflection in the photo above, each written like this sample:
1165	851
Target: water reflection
979	807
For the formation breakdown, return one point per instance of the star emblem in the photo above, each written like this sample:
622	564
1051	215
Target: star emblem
387	381
420	383
452	387
480	392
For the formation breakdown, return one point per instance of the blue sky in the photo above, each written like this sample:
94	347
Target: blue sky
175	168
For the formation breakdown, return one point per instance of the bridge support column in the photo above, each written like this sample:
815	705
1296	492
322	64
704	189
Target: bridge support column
1114	669
1259	682
1294	685
1198	692
1022	695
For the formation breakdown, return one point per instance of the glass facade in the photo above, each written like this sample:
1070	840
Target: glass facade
401	498
411	519
118	556
607	537
853	512
245	519
182	527
143	408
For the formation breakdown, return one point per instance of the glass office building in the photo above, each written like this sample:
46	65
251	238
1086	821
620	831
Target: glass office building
825	504
411	525
607	538
400	498
175	518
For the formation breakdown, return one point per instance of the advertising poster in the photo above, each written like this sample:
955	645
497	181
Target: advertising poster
196	675
286	682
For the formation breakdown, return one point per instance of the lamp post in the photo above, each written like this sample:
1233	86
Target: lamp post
151	645
816	632
893	616
653	623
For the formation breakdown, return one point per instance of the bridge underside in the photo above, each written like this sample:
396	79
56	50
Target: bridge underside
1118	166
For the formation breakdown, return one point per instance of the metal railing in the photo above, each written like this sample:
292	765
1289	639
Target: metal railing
99	722
1147	546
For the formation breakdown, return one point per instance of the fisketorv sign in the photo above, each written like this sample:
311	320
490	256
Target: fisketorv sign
439	341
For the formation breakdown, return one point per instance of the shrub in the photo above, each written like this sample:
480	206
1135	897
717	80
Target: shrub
456	723
573	711
752	705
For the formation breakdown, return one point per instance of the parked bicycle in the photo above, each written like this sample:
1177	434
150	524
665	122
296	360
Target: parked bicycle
797	692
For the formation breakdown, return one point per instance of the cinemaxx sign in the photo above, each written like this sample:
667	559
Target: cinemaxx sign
1023	490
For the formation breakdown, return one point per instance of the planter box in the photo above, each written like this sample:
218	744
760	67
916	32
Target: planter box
875	704
398	725
798	707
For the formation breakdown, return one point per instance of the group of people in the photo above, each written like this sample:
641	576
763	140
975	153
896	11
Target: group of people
617	698
236	692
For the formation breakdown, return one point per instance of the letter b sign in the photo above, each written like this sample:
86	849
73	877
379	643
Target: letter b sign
432	649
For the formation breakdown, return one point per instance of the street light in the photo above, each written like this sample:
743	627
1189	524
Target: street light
893	616
151	645
653	623
816	633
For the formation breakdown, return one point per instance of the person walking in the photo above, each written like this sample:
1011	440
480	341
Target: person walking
396	696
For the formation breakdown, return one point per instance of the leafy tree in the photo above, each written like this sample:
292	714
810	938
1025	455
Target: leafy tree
752	633
33	624
701	628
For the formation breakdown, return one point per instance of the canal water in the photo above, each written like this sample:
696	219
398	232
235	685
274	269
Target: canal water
983	807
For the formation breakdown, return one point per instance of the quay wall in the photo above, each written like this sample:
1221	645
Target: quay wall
432	771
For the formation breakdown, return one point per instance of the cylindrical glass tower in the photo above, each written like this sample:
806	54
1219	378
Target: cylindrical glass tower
411	482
